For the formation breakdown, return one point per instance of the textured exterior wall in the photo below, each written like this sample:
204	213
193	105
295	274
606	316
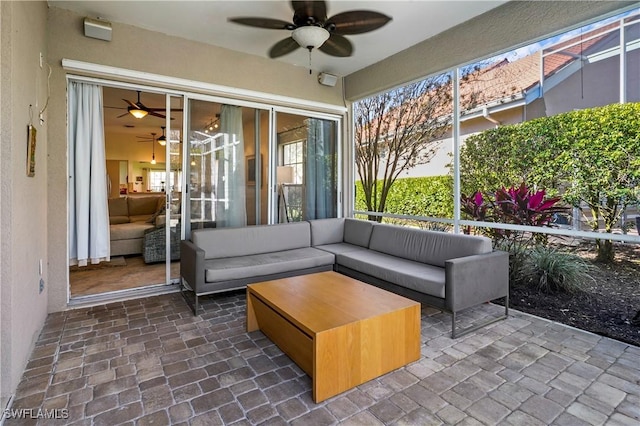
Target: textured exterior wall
23	200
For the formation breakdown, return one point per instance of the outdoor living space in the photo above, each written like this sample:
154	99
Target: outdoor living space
151	360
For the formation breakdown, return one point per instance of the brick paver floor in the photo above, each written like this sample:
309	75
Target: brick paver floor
150	361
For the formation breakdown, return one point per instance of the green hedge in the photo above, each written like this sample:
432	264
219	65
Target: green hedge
423	196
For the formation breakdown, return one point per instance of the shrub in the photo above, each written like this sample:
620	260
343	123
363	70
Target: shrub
430	196
550	270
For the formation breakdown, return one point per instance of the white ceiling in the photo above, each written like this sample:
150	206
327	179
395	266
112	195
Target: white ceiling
206	21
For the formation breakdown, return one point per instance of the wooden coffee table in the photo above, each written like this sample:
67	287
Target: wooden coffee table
339	331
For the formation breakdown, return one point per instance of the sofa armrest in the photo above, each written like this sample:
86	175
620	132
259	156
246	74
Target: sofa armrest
476	279
192	265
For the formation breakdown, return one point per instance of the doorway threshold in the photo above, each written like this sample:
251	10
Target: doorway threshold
122	295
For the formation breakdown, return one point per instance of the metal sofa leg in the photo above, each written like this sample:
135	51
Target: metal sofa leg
455	333
192	305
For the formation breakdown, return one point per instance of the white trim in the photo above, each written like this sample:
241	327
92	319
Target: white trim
157	80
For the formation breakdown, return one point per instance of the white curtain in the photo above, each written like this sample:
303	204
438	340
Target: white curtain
88	208
231	205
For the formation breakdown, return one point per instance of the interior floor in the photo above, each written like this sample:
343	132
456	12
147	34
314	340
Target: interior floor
122	273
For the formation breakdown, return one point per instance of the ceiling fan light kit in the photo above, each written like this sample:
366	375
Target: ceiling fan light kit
137	113
162	140
310	37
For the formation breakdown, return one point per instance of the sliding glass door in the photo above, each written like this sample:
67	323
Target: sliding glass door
226	163
307	168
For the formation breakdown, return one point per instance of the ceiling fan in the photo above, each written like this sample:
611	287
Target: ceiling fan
312	29
140	110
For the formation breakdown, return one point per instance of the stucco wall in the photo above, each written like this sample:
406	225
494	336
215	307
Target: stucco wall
23	211
509	25
141	50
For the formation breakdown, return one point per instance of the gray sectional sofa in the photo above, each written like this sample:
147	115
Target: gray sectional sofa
449	271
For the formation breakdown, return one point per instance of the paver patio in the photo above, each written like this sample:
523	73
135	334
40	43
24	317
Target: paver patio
150	361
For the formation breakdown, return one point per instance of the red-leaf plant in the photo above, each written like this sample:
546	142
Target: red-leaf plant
515	205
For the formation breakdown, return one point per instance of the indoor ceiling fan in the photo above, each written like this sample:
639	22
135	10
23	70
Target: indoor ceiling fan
140	110
312	29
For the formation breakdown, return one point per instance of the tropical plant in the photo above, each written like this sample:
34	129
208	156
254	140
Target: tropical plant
518	206
590	157
550	270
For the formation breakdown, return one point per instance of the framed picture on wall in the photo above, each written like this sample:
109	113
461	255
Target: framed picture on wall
31	150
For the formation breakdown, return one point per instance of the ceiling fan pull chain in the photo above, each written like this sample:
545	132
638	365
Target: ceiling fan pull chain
310	62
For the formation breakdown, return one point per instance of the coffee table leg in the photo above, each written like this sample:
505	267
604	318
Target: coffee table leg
252	322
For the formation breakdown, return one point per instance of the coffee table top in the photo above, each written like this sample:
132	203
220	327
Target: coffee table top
326	300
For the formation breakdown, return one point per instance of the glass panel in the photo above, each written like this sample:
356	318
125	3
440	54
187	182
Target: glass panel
582	72
225	175
632	42
403	147
580	148
306	175
174	184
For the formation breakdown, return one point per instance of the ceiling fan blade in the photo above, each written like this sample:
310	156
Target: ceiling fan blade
273	24
162	109
356	22
303	10
283	47
155	114
337	45
130	103
122	115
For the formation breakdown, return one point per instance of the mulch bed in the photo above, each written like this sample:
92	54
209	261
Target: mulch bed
609	305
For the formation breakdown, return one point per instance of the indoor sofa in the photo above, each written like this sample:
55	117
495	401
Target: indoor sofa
129	219
449	271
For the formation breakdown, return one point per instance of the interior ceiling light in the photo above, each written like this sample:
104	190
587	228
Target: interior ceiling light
310	37
162	140
153	149
137	113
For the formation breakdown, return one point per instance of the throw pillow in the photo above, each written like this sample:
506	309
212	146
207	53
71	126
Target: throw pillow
152	218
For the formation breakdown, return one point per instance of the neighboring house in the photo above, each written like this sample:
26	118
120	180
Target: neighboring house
580	72
33	210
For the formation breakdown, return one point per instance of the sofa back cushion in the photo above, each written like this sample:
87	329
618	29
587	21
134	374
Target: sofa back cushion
118	207
327	231
231	242
140	206
431	247
357	231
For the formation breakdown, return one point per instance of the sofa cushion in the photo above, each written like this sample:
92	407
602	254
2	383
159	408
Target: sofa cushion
430	247
144	205
231	242
327	231
118	207
357	231
265	264
340	248
140	218
417	276
115	220
125	231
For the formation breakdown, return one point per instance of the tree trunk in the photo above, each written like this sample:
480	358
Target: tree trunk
605	251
